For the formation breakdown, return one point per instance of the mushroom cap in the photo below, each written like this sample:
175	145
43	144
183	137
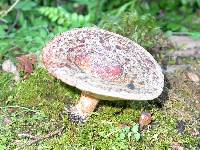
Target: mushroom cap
103	64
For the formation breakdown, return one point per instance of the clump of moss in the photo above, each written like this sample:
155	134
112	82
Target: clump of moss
102	129
43	91
6	86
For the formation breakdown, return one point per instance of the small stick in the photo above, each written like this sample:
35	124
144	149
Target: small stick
38	139
18	107
14	23
2	14
24	135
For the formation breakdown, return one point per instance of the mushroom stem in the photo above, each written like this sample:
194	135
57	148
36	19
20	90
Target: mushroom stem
81	111
86	104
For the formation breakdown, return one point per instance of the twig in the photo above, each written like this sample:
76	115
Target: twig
24	135
3	21
38	139
14	23
10	9
18	107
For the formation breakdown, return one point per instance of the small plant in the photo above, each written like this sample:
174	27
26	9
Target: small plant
177	16
124	133
60	16
131	133
140	28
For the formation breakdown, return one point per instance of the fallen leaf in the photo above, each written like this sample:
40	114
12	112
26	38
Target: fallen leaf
26	63
192	76
145	119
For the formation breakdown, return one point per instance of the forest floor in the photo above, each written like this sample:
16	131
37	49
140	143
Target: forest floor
32	112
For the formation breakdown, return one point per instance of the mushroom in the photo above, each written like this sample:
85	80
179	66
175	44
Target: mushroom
104	66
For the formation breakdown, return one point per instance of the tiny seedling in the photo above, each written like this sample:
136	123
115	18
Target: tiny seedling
132	133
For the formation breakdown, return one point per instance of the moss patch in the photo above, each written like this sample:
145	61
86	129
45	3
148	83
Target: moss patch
6	86
103	129
44	98
44	92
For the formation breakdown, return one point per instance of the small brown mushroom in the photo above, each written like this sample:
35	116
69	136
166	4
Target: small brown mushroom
103	65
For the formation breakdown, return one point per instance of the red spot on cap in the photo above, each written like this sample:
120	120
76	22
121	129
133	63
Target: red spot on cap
111	72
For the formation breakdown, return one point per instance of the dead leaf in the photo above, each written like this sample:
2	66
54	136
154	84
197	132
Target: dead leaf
192	76
26	63
145	119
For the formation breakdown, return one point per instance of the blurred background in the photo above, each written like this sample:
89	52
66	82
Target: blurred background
26	25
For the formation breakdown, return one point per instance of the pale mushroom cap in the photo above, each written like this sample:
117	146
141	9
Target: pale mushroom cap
104	64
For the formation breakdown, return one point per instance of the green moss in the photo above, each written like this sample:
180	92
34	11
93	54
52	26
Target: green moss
6	86
102	131
43	91
103	128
